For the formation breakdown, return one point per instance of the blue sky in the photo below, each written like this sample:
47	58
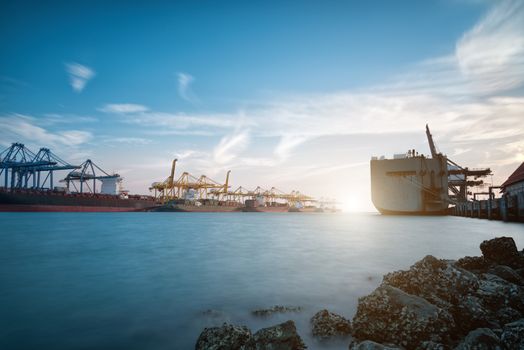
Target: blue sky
296	95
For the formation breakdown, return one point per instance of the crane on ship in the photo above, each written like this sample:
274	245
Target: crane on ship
88	175
458	181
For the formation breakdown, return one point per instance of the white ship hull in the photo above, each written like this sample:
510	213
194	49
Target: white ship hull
410	186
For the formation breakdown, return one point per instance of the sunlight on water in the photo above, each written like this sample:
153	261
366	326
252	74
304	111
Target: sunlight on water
146	280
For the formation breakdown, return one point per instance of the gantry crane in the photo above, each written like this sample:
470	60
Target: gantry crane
22	168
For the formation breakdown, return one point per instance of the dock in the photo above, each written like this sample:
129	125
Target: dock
506	208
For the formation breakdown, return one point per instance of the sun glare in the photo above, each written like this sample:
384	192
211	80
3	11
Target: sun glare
351	204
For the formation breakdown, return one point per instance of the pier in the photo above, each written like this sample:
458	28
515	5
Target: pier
505	208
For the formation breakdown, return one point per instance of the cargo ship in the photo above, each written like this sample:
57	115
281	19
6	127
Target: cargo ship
258	205
27	180
204	206
60	201
414	184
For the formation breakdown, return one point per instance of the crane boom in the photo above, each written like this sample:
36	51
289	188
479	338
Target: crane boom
172	176
431	143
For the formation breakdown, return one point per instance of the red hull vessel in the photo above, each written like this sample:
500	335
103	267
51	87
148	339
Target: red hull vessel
53	201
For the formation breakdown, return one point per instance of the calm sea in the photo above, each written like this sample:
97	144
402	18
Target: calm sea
154	280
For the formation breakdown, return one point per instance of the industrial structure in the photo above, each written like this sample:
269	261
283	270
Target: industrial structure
508	206
87	178
21	168
27	183
191	193
418	185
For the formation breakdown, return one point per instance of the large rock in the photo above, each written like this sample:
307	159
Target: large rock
226	337
507	273
506	315
497	293
327	324
435	280
470	314
390	315
502	251
370	345
431	345
476	264
280	337
447	286
513	335
480	339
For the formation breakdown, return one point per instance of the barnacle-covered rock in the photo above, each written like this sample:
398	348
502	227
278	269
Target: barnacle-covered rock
513	335
502	251
283	336
390	315
223	338
480	339
370	345
326	324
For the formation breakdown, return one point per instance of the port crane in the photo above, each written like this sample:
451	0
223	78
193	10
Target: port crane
182	187
459	178
88	174
207	188
23	169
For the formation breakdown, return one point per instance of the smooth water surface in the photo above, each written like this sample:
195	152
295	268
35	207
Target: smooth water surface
145	280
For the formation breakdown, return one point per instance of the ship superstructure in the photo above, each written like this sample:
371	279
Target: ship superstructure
414	184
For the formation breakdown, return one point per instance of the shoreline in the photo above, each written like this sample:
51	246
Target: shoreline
472	302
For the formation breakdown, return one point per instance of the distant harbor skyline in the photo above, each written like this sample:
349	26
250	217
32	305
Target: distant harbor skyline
295	95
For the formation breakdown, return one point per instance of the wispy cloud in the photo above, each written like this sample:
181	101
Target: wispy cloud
23	128
184	86
161	123
491	55
79	75
230	146
129	140
56	119
287	143
123	108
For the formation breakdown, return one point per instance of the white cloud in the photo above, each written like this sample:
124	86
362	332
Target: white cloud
79	75
184	88
22	128
129	140
123	108
491	55
230	146
287	143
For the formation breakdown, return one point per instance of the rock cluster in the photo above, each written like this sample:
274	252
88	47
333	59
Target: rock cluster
472	303
283	336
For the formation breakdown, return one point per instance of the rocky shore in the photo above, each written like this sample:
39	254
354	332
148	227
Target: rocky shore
471	303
